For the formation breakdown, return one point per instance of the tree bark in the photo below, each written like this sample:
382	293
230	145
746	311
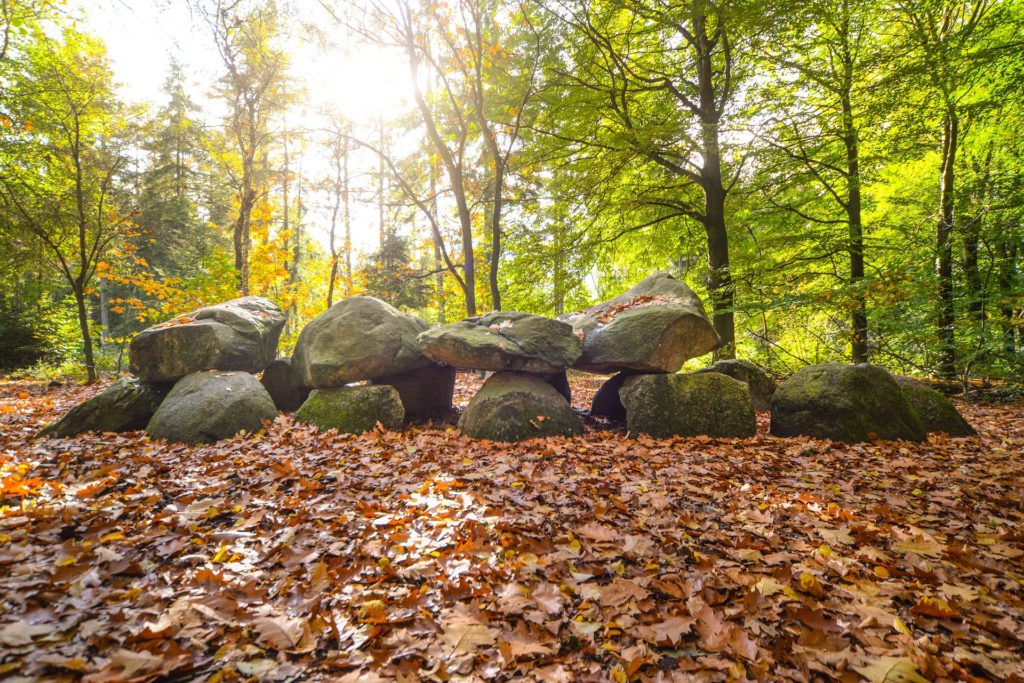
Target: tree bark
83	324
720	285
944	247
859	313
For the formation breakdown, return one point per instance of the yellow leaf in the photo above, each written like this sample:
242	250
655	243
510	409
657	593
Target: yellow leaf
891	670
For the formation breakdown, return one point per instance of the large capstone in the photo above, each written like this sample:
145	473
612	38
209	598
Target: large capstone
281	383
356	339
425	392
936	412
709	404
512	407
504	341
842	402
124	406
655	326
240	334
353	409
212	405
761	385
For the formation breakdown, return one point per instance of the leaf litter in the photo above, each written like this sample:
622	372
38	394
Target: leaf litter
422	555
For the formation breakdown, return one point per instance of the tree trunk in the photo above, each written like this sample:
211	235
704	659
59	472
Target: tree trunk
720	285
83	324
944	247
859	313
1007	253
499	177
242	237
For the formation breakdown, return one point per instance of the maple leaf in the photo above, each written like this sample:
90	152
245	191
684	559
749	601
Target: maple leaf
668	631
891	670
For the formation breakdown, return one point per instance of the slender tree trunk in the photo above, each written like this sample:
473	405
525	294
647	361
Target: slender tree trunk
944	247
380	182
348	226
83	324
104	314
859	314
334	225
242	237
1007	254
499	178
720	284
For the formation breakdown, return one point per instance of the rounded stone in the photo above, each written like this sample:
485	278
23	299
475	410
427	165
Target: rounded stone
126	405
360	338
354	409
502	341
240	334
709	404
513	407
935	411
849	403
655	326
760	384
212	405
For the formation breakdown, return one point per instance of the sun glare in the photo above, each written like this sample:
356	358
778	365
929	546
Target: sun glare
366	84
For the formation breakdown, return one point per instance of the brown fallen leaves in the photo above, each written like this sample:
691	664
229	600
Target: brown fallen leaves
292	555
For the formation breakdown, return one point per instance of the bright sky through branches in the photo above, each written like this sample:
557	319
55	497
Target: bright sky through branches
364	83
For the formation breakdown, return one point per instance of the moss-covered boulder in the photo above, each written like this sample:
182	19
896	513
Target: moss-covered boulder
708	404
842	402
606	402
357	339
655	326
935	411
282	384
512	406
353	409
124	406
425	392
760	384
240	334
209	406
505	340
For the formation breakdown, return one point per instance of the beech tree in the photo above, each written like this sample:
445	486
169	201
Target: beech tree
62	186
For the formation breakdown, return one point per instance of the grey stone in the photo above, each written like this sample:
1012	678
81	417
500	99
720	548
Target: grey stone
515	406
283	386
124	406
353	409
842	402
709	404
425	392
240	334
655	326
936	412
212	405
761	385
503	341
356	339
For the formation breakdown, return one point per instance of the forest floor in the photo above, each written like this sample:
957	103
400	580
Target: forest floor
293	555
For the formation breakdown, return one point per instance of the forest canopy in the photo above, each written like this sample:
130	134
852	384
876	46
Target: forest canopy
837	179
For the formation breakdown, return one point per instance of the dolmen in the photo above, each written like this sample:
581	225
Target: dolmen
363	364
193	377
528	394
362	360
